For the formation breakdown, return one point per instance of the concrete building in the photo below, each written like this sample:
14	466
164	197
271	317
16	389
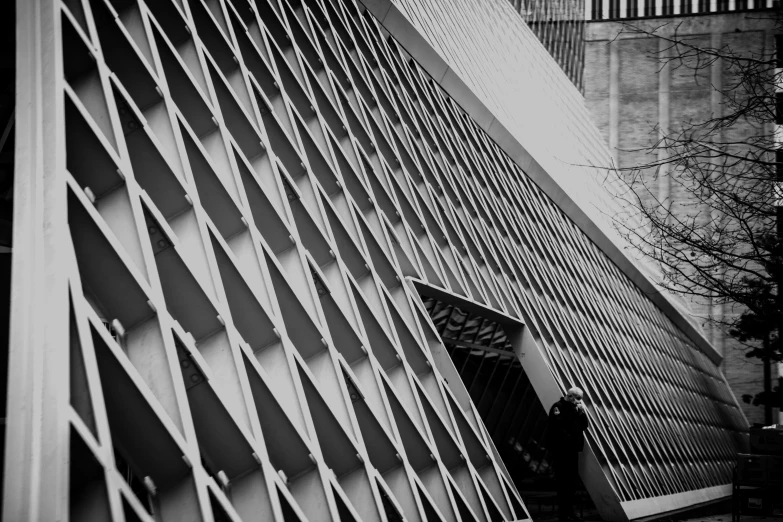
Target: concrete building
280	260
639	9
629	92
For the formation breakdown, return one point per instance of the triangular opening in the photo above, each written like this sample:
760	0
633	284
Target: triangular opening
218	512
389	508
81	399
88	498
429	510
287	451
83	76
494	513
128	511
464	511
289	515
342	509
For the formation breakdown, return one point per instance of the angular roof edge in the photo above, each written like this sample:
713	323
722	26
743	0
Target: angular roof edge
417	45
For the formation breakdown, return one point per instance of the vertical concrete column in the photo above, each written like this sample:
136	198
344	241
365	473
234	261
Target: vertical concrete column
664	84
614	97
36	447
716	109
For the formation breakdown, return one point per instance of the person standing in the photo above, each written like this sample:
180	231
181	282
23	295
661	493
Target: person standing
567	422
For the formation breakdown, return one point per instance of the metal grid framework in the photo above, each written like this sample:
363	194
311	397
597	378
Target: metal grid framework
560	26
521	94
250	189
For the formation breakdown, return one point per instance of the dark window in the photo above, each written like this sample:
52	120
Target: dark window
614	9
779	108
633	8
779	50
597	8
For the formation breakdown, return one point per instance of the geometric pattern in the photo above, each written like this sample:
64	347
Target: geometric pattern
501	66
256	191
605	10
560	26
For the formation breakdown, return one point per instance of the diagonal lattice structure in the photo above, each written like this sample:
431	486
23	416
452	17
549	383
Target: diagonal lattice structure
228	212
560	26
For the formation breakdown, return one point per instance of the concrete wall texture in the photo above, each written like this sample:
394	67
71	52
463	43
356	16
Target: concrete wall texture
631	93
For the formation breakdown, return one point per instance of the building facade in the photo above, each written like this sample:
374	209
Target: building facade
323	260
634	96
560	27
632	9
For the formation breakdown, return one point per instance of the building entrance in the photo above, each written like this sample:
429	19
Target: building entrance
484	357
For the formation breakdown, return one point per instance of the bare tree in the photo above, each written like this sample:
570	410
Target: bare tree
722	238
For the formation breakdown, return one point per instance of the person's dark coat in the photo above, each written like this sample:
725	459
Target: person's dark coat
566	425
